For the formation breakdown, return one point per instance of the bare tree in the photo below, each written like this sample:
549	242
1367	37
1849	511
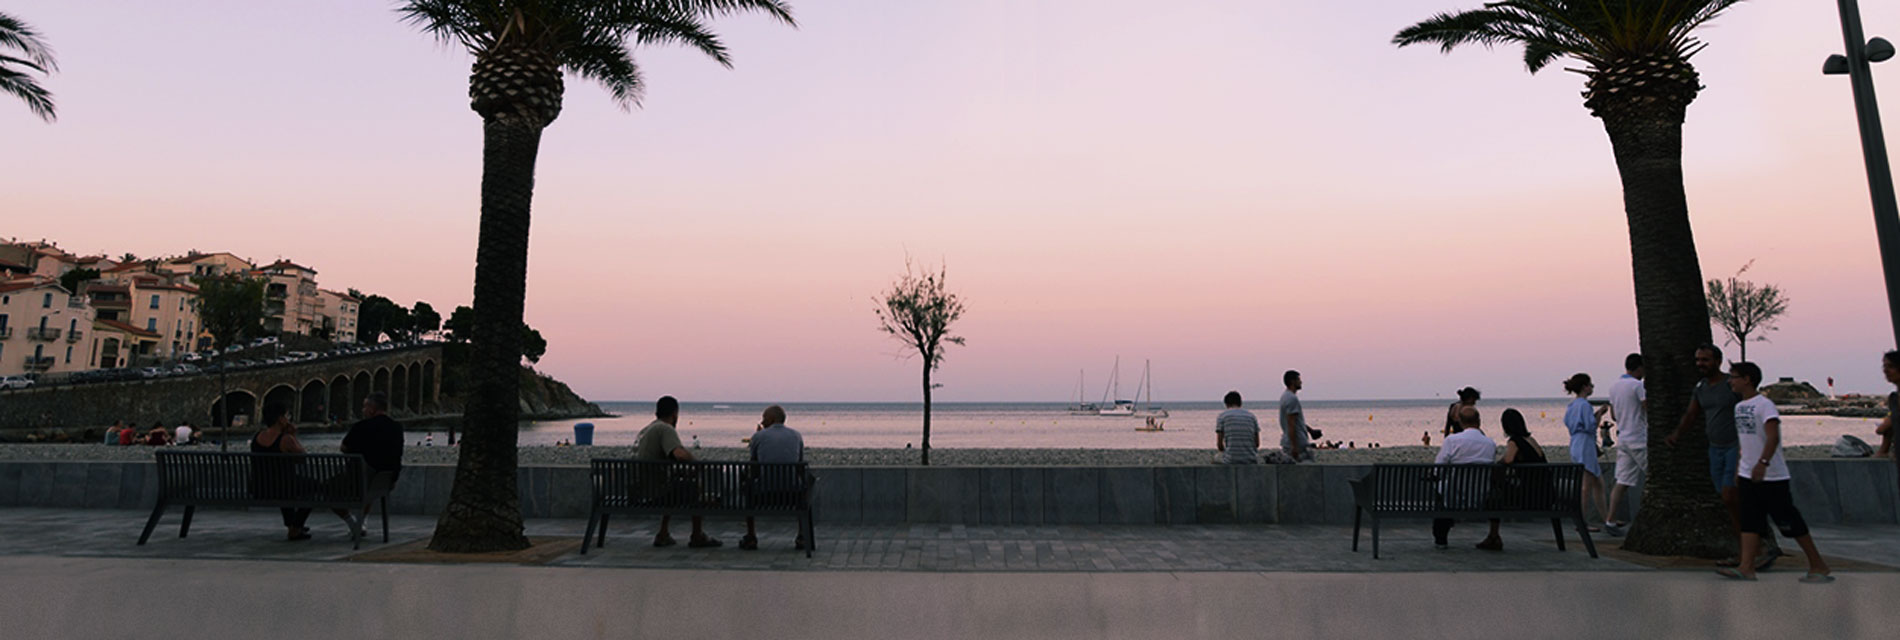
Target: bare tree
918	311
1745	310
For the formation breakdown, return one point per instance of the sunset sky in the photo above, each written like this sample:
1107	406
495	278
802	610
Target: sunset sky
1227	188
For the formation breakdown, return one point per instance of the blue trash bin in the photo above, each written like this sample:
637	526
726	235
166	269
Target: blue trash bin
584	433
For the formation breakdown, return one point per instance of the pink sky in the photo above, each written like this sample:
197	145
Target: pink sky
1229	189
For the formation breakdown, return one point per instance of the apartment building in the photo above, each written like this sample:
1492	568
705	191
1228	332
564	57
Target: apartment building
338	312
195	264
290	297
42	328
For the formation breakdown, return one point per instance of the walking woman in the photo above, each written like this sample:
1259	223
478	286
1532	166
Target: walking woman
1581	419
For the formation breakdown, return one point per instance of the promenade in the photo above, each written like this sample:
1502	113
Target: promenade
77	573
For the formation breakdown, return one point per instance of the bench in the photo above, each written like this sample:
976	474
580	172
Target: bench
697	488
1471	491
296	480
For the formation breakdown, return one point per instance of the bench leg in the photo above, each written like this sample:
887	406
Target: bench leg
1356	512
604	518
1375	537
385	518
1583	530
593	519
186	526
151	523
1557	527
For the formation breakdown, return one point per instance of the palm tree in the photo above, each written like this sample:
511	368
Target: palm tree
23	54
1639	82
521	48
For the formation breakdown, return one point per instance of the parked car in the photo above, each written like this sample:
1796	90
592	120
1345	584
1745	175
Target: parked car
234	348
15	382
185	369
191	357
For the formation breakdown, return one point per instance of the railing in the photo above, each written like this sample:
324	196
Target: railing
48	334
39	363
74	335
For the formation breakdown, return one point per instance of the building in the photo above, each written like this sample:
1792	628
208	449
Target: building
42	328
117	344
195	264
145	297
338	312
290	298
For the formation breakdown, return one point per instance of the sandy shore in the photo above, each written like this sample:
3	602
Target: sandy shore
542	455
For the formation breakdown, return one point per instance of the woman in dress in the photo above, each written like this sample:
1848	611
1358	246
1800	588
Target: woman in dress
1581	419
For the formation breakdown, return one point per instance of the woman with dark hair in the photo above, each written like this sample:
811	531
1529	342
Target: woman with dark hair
1890	368
271	476
1519	448
1467	397
1581	419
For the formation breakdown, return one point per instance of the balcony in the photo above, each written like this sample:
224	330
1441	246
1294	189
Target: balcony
74	335
46	334
6	332
39	363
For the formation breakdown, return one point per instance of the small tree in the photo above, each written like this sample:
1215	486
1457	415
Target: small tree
230	307
72	279
424	318
1745	310
918	311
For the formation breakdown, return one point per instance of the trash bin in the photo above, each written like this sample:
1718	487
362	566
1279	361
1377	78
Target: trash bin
584	433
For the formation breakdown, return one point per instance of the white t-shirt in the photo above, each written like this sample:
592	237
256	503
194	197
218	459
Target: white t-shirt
184	434
1751	417
1470	446
1626	406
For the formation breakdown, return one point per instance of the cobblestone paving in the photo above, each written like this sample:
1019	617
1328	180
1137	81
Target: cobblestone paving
1406	547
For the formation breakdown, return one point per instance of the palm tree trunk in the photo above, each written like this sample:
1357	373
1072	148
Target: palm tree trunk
926	449
484	510
1681	514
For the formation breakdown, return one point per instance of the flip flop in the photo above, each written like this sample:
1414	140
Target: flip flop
1733	574
1817	578
1730	561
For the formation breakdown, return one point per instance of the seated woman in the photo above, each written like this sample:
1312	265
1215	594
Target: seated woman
270	477
158	436
1519	448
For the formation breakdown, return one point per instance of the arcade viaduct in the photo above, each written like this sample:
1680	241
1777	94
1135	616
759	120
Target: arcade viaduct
329	389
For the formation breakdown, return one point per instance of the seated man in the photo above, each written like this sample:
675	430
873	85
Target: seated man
1468	446
774	442
1236	433
660	441
378	438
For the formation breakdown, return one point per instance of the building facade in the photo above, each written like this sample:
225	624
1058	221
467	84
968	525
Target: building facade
43	329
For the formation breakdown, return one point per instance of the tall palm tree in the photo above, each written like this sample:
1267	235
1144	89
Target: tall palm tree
521	48
22	55
1640	83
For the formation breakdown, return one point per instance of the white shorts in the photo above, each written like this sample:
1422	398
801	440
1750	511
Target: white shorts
1631	466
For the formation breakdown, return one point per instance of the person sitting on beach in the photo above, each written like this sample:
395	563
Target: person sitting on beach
1295	442
1764	485
158	436
1236	433
774	442
1467	397
129	435
112	433
661	441
1468	446
184	434
271	477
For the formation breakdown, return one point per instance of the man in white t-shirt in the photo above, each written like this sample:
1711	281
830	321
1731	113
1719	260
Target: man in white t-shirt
1629	406
1762	479
1468	446
184	434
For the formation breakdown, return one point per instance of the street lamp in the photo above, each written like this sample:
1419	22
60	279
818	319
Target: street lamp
1856	65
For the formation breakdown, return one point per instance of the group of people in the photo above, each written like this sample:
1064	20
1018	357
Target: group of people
771	442
120	434
1747	467
1237	431
377	437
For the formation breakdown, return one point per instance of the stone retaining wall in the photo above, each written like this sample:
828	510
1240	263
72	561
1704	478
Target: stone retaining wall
1827	491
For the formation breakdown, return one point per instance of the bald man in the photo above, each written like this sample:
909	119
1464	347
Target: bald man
773	442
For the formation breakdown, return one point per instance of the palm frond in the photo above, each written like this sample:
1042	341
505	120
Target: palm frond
22	86
683	29
17	35
778	9
611	65
1588	30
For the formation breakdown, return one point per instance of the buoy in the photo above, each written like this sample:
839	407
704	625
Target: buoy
1540	414
1368	417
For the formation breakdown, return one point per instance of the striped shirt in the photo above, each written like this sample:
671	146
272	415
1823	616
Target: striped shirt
1238	431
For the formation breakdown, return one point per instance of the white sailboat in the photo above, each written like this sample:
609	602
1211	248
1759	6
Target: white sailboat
1079	407
1120	407
1147	397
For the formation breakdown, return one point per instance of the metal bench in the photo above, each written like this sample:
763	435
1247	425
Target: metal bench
296	480
1471	491
669	488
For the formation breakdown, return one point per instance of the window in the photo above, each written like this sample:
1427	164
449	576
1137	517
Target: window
151	324
3	321
39	351
47	302
72	325
69	355
181	304
154	301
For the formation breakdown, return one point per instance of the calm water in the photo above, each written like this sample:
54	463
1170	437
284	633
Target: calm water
1049	425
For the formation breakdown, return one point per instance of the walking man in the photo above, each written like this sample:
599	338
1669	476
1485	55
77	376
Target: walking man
1236	433
660	441
1763	487
1712	406
1293	439
1629	406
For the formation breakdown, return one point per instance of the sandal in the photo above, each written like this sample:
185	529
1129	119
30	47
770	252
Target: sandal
1491	544
1729	562
1817	578
749	543
1734	574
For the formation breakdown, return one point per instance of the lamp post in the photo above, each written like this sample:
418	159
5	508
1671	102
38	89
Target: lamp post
1857	65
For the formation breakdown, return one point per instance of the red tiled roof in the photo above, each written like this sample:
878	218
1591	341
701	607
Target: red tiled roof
22	285
132	266
286	263
120	326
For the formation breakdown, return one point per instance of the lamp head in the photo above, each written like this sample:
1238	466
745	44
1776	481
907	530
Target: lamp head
1836	65
1879	50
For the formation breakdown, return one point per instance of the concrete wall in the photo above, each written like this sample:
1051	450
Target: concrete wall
1827	491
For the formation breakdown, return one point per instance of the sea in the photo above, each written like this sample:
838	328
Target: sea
1025	425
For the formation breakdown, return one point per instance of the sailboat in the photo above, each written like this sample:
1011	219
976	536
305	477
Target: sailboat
1120	407
1147	398
1080	408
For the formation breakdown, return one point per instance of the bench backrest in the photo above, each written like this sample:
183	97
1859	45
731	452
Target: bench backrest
1553	488
670	484
235	478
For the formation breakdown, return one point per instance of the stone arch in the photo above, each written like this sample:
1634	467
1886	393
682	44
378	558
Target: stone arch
399	388
314	405
428	386
415	387
340	398
281	393
359	391
242	406
381	384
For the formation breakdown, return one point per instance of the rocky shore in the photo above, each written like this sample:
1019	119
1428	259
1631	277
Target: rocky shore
578	456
